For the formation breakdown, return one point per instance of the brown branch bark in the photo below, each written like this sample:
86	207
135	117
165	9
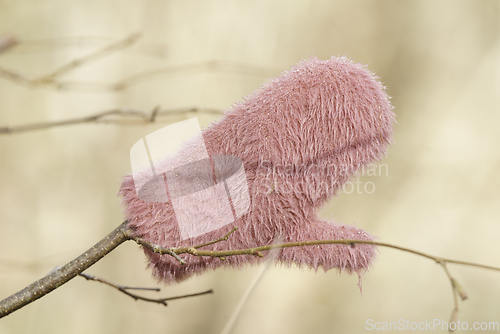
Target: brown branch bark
122	233
65	273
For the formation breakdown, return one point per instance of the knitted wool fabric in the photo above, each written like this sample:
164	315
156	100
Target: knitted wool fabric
300	137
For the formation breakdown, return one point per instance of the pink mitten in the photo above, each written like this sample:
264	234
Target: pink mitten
300	138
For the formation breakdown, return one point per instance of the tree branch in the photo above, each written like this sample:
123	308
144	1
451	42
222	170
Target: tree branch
65	273
126	117
457	289
122	233
193	250
50	78
25	46
125	289
208	66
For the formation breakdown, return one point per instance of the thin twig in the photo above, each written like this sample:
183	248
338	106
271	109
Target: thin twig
254	250
154	113
50	78
127	117
457	289
155	248
208	66
89	277
125	289
454	312
48	45
224	238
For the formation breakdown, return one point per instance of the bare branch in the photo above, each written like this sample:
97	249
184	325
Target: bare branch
224	238
174	251
122	233
221	66
48	45
457	289
125	289
50	79
65	273
193	250
155	248
127	117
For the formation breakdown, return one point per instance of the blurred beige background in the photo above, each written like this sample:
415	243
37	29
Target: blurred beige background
58	187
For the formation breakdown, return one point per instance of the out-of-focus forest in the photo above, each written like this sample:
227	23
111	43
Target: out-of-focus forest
439	194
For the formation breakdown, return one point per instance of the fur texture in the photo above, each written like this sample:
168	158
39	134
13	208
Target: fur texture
300	137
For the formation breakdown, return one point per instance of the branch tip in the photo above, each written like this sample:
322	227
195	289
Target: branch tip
259	254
